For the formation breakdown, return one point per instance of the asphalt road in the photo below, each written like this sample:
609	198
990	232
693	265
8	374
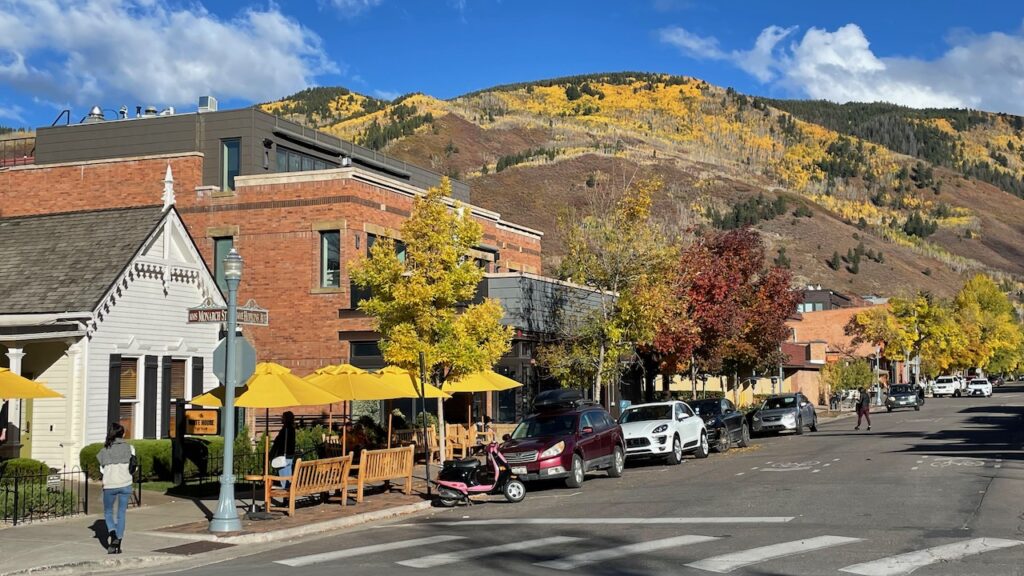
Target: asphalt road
935	492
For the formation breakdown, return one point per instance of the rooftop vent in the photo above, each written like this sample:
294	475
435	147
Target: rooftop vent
95	115
207	104
149	112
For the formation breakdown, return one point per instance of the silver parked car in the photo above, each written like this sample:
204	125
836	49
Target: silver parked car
785	412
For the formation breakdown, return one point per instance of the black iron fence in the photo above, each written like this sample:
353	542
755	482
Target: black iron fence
17	151
204	464
26	498
56	494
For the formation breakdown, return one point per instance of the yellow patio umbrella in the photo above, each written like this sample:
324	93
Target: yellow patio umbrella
16	386
349	383
483	381
270	386
408	386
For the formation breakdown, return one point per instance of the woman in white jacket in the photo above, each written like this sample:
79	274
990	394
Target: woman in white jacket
115	460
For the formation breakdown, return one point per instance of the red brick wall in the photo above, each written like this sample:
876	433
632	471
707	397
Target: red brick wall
275	236
101	184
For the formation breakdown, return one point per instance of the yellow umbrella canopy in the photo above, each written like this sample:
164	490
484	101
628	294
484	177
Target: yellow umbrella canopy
408	383
16	386
270	386
483	381
350	383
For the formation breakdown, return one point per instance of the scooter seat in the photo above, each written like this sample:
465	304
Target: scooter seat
463	463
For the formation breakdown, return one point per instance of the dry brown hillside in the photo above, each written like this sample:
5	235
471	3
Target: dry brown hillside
530	151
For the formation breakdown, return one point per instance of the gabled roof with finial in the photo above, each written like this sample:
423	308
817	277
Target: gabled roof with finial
168	196
66	262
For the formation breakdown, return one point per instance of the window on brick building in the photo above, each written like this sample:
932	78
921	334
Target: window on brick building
221	247
330	259
367	349
231	152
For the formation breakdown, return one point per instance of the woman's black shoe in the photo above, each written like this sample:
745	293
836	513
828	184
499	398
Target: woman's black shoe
115	544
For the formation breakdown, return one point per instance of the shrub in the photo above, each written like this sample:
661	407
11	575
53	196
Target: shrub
35	500
23	467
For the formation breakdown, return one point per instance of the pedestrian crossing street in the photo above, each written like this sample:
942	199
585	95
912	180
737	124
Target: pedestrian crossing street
567	553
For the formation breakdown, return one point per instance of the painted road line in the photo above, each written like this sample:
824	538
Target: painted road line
580	521
732	561
907	563
740	473
363	550
587	558
445	558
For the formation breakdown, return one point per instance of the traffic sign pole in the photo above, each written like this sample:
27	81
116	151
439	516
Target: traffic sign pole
225	518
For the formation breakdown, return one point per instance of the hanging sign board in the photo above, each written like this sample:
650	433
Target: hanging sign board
201	422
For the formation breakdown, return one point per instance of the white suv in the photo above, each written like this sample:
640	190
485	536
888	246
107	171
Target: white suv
946	386
979	387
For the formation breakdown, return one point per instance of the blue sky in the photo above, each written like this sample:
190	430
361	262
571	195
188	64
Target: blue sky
57	54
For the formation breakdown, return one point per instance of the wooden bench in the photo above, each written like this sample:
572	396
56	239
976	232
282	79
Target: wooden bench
377	465
322	476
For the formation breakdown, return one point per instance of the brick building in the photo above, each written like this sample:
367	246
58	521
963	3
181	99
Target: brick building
297	222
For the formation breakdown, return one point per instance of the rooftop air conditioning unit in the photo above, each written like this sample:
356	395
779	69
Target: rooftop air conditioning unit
207	104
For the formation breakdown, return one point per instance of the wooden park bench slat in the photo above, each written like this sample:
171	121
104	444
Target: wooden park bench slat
387	464
310	477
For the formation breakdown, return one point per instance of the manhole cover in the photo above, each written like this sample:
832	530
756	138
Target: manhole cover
195	548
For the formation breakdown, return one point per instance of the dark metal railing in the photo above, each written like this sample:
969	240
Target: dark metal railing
26	498
17	151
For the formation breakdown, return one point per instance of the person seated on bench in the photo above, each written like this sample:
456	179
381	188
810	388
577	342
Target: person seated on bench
282	452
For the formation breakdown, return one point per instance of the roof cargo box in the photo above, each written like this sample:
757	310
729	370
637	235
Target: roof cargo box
556	399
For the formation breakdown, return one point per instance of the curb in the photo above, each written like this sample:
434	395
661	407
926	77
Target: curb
319	527
138	562
88	566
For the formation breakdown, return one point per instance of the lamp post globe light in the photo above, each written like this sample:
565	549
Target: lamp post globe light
225	517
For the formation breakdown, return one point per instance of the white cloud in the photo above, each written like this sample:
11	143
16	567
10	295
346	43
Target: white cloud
148	51
349	8
693	45
977	70
386	94
11	112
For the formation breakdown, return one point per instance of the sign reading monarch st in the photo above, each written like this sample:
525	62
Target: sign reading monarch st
208	312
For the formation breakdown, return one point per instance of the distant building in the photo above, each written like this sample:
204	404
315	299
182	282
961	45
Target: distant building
816	299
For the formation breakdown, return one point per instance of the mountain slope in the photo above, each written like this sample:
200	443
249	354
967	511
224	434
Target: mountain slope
530	150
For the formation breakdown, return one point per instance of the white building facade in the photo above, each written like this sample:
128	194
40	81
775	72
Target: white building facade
95	305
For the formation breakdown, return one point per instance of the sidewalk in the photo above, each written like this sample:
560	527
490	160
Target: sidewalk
167	529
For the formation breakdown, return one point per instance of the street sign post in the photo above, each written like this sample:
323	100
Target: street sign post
208	312
244	357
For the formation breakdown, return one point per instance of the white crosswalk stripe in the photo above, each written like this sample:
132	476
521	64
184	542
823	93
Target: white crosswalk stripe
654	520
729	562
363	550
907	563
452	557
586	558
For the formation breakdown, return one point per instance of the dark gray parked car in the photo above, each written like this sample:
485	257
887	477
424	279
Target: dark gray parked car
785	412
904	396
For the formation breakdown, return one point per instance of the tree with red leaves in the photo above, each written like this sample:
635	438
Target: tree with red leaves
729	309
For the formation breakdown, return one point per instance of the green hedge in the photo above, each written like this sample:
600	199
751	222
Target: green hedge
23	467
155	457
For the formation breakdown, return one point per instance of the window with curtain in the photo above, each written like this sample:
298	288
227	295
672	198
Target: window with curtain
129	395
179	369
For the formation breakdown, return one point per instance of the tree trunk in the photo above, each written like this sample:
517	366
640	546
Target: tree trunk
600	373
442	437
666	383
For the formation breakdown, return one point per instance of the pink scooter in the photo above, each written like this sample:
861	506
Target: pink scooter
460	479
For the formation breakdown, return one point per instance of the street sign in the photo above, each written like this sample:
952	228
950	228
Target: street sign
208	312
245	360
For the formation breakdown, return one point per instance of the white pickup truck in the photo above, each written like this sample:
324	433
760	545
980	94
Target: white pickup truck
947	386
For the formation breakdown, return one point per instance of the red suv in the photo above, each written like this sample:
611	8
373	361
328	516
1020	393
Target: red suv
565	438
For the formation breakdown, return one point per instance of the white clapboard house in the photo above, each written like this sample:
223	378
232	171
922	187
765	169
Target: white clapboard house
95	305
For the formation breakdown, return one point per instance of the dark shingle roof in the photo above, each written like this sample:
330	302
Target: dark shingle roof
66	262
